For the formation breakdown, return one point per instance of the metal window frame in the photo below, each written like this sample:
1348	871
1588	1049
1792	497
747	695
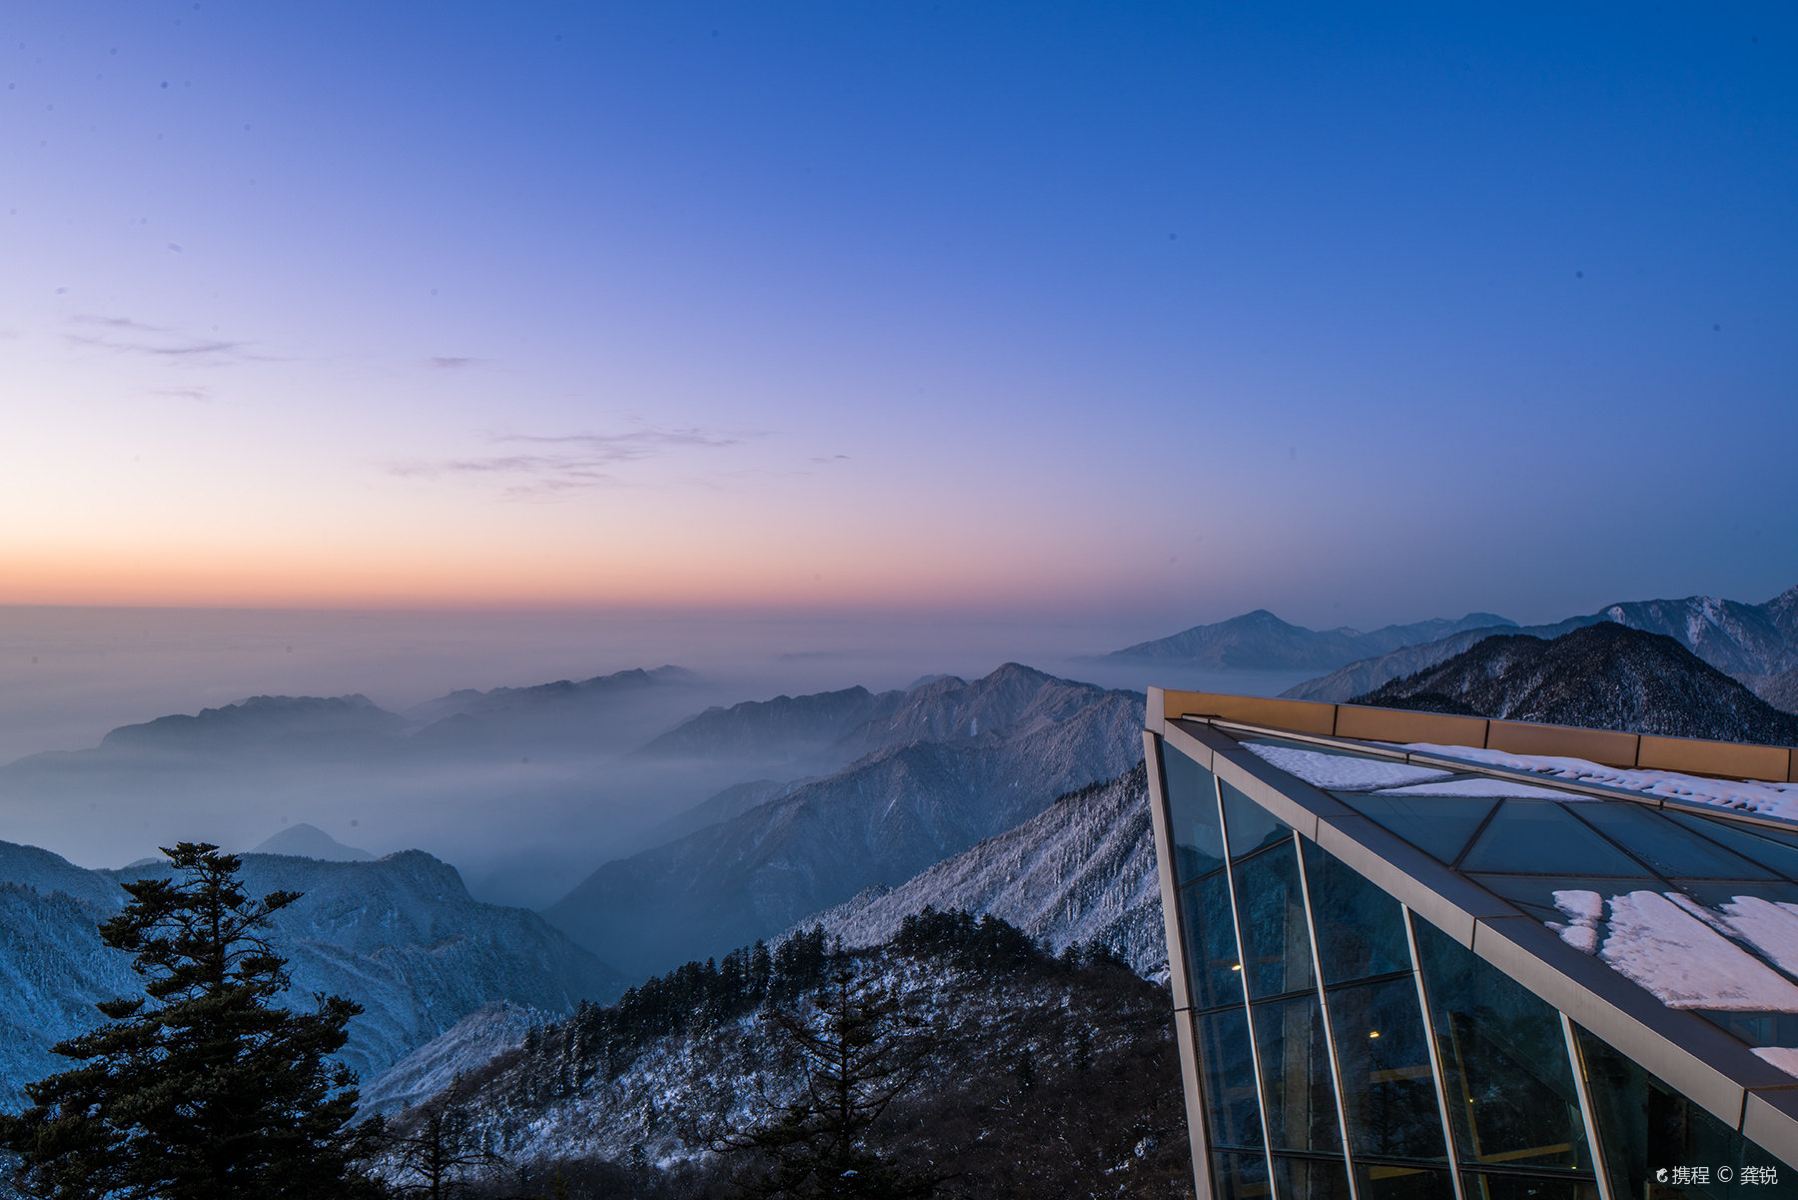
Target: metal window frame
1710	1067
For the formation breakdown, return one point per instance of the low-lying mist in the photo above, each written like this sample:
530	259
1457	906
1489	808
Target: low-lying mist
525	805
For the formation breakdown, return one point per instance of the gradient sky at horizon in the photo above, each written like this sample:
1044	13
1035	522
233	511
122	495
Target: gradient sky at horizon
1154	310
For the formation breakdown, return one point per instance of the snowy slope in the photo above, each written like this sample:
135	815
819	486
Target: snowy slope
475	1040
1093	1041
399	936
1083	870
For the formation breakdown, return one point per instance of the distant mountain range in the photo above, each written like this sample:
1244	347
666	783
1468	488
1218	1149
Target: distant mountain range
786	733
1602	676
1757	644
400	936
309	841
952	763
1261	641
607	712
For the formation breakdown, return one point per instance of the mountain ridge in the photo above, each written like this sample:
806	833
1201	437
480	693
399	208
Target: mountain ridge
1601	676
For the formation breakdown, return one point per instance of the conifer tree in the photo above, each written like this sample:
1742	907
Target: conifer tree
857	1053
203	1088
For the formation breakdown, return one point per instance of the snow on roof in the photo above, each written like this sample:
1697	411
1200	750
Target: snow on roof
1343	772
1692	955
1744	795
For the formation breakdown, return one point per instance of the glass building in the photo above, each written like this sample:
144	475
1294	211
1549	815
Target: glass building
1417	955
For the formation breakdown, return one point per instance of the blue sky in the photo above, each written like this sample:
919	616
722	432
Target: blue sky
1135	309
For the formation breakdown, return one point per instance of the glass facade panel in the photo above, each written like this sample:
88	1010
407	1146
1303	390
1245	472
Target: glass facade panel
1233	1113
1212	964
1440	826
1389	1093
1540	836
1249	826
1667	847
1192	815
1270	905
1512	1099
1311	1178
1646	1127
1526	1187
1295	1076
1395	1182
1769	851
1239	1177
1360	929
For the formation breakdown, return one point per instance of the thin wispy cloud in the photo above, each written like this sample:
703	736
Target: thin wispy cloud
199	395
127	335
451	362
568	462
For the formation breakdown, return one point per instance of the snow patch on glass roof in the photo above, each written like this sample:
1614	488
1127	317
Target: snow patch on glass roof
1689	955
1768	799
1341	772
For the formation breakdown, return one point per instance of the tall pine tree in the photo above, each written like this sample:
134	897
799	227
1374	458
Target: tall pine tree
204	1088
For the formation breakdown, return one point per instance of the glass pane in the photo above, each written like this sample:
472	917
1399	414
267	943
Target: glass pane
1666	847
1504	1062
1248	825
1646	1128
1539	835
1295	1076
1239	1176
1382	1182
1768	851
1526	1187
1440	826
1387	1087
1756	1028
1228	1069
1311	1178
1212	963
1192	815
1360	929
1275	944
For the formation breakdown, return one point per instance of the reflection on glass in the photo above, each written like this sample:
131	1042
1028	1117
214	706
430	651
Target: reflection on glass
1271	906
1386	1182
1229	1069
1526	1187
1756	1028
1240	1177
1440	826
1192	815
1295	1076
1248	825
1312	1178
1212	964
1360	929
1511	1095
1540	836
1766	849
1666	847
1645	1126
1387	1087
